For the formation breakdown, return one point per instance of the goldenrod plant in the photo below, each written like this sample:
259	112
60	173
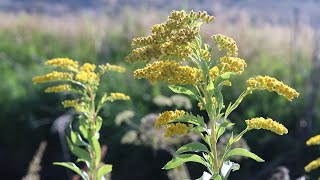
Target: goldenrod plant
176	54
315	140
83	82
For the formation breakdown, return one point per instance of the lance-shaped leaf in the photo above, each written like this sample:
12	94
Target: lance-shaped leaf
183	90
222	127
98	123
190	118
97	149
74	168
183	158
243	152
76	138
79	152
193	147
103	170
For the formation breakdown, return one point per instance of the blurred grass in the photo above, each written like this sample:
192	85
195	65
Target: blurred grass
26	41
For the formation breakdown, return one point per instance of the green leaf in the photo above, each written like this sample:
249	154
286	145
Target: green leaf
74	168
98	123
183	158
97	149
84	131
79	152
103	170
243	152
190	118
193	147
222	127
183	90
76	138
226	75
227	167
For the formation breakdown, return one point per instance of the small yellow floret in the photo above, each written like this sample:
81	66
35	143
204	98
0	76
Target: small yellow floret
214	72
315	140
168	116
272	84
53	76
87	77
64	63
109	67
267	124
312	165
71	103
232	64
118	96
59	88
176	129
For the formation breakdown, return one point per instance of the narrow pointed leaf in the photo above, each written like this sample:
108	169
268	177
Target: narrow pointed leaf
97	150
193	147
183	158
245	153
183	90
105	169
73	167
79	152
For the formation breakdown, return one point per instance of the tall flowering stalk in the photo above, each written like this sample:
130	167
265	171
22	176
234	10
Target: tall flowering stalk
83	82
176	54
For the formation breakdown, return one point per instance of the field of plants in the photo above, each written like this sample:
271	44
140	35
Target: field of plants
128	139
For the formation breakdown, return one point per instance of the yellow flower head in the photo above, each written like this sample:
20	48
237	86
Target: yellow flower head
214	72
53	76
64	63
272	84
312	165
315	140
87	77
87	67
169	71
109	67
168	116
118	96
232	64
267	124
59	88
226	43
74	104
170	39
176	129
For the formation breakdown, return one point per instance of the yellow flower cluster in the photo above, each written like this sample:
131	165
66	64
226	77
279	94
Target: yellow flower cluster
87	77
59	88
87	67
232	64
226	43
169	40
272	84
167	116
205	54
214	72
315	140
312	165
267	124
109	67
53	76
118	96
64	63
170	71
176	129
214	101
71	103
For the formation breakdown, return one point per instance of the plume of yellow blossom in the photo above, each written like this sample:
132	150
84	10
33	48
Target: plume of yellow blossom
118	96
88	67
53	76
109	67
63	63
171	39
226	43
272	84
214	72
232	64
58	88
71	103
170	71
205	54
267	124
315	140
168	116
87	77
176	129
312	165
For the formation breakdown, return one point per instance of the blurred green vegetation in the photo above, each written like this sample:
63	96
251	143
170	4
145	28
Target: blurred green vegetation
27	113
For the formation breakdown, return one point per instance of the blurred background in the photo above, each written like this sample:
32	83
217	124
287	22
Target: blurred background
276	38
